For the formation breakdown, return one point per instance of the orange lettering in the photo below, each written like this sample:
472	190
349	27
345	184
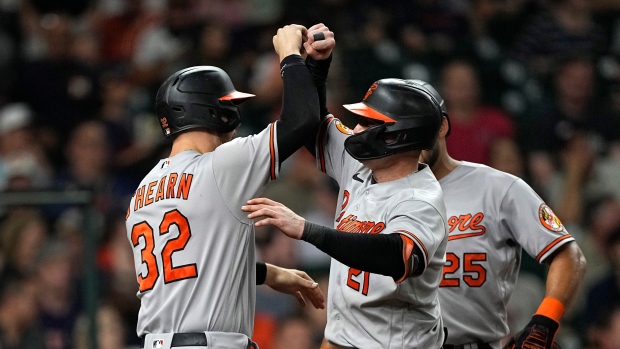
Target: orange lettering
464	219
378	228
184	185
149	193
138	202
172	180
160	189
477	219
452	221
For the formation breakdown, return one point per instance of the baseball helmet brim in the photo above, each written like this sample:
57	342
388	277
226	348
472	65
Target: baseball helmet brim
236	95
367	112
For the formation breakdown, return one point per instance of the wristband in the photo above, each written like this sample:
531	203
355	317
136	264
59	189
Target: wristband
551	308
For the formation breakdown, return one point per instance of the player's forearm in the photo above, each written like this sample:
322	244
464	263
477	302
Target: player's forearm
374	253
299	120
565	274
318	70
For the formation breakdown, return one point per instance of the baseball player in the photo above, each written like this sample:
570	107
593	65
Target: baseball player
492	215
390	234
193	247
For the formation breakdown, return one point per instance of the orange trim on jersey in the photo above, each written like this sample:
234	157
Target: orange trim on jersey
408	247
321	138
463	236
551	308
272	151
367	112
551	245
418	241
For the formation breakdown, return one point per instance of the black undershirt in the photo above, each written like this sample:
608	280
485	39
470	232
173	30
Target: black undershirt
261	273
299	120
374	253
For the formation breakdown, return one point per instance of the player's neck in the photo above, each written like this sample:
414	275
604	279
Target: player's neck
393	167
200	141
444	165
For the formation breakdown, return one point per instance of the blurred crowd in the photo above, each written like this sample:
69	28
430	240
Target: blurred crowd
532	88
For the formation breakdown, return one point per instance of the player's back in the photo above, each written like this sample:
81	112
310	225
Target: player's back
194	257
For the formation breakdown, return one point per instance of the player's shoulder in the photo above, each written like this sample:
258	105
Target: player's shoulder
471	171
423	189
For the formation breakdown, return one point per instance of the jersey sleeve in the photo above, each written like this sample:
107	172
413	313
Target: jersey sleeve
420	225
330	152
531	222
243	166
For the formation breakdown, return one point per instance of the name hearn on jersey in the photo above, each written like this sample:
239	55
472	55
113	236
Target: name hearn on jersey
172	186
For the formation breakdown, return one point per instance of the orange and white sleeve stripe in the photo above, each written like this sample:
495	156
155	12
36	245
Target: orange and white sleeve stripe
320	144
553	246
409	242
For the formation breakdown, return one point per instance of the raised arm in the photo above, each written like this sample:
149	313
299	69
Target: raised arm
299	119
319	46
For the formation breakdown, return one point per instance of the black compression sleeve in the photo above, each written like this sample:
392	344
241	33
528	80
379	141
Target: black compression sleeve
375	253
299	120
319	71
261	273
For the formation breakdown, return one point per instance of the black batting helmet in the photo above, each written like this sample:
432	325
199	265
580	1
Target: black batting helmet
198	97
438	98
411	114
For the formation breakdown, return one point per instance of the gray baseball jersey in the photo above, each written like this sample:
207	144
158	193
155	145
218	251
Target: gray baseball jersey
193	246
374	311
492	215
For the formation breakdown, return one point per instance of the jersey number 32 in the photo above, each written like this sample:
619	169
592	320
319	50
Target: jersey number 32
171	273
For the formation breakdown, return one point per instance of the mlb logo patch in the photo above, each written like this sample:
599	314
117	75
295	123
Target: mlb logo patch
158	344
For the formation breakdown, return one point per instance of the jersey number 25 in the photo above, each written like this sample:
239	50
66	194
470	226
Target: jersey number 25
171	273
474	274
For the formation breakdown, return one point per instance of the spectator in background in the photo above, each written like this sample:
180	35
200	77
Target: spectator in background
58	294
294	332
275	248
23	162
569	138
605	333
18	315
22	236
61	89
163	48
566	30
317	318
323	212
474	127
301	180
506	156
374	54
115	260
88	155
574	107
110	330
121	32
606	291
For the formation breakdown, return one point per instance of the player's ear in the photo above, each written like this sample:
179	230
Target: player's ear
445	128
